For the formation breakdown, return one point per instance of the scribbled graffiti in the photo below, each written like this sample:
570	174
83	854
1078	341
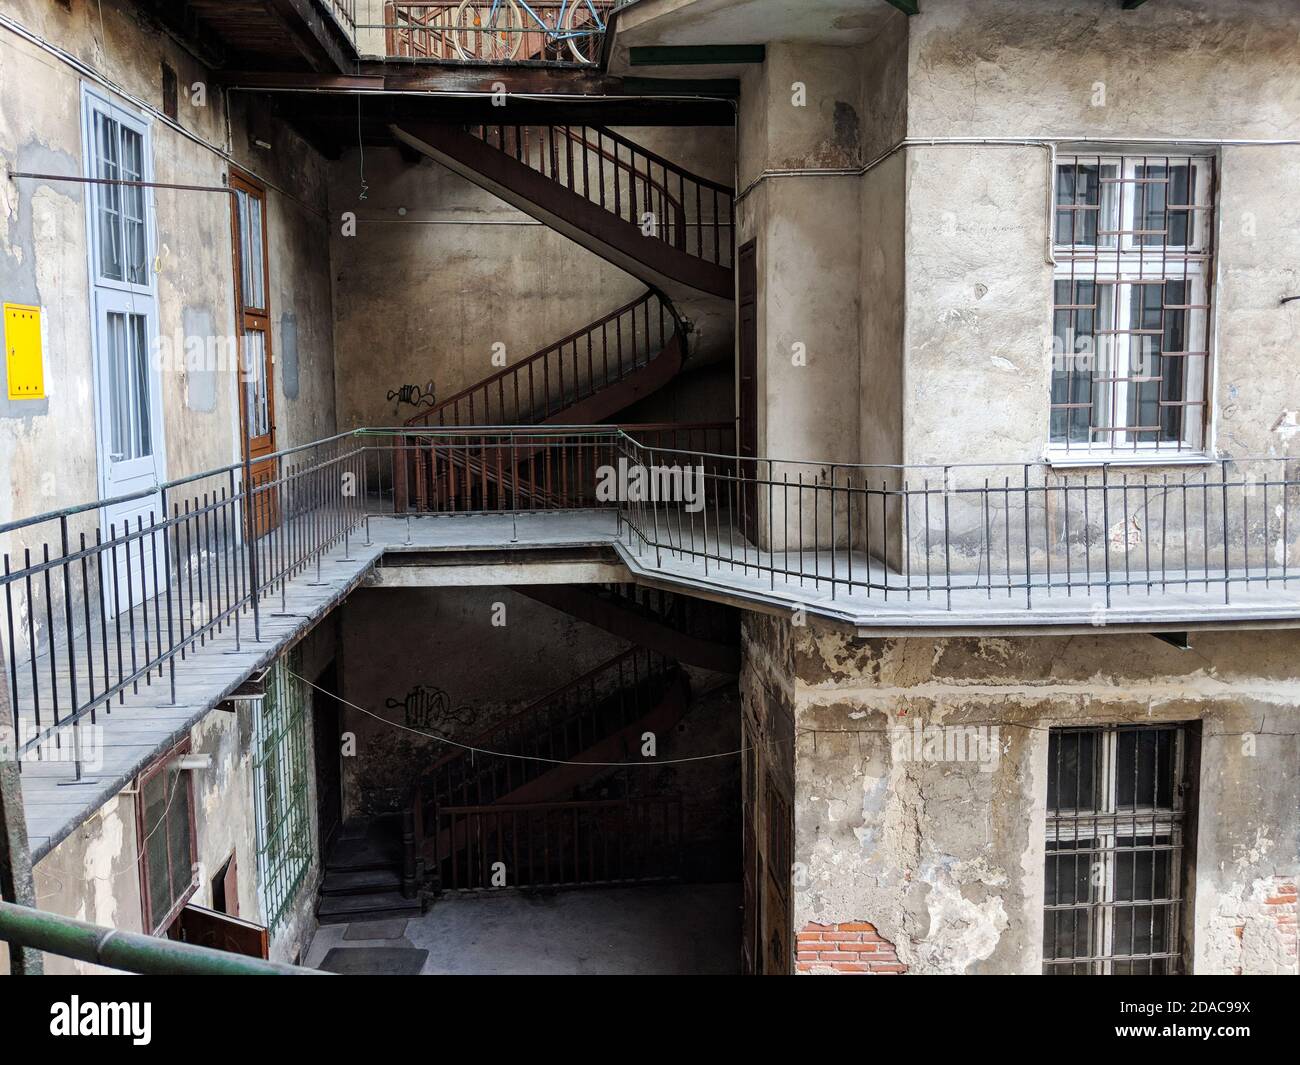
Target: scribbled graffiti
415	395
430	708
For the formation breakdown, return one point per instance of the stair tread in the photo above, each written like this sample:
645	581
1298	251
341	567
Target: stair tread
374	902
353	855
360	881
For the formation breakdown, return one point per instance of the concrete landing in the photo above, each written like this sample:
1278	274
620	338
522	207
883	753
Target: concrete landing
672	930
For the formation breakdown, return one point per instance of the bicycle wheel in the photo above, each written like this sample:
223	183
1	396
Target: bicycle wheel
487	29
586	28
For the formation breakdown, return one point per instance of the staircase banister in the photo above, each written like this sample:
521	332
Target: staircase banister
668	165
572	133
549	697
424	416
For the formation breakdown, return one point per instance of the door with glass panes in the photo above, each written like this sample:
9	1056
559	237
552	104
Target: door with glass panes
256	394
129	443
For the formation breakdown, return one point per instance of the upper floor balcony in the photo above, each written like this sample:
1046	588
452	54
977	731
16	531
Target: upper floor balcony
555	32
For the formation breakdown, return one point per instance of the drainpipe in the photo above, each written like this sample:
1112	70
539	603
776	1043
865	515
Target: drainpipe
129	951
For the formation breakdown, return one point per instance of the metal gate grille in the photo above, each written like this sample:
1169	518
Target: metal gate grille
1115	836
280	773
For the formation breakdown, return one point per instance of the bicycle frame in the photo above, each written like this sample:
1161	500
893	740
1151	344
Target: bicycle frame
556	33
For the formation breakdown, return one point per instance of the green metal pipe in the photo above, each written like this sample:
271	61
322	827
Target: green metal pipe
130	951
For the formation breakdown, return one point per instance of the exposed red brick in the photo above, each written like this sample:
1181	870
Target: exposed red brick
851	947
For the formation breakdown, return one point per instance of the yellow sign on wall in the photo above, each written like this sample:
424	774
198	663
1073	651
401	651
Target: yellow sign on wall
23	362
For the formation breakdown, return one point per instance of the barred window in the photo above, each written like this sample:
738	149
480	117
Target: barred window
1116	818
165	826
1131	302
280	773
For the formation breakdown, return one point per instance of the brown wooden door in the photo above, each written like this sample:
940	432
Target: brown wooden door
256	361
220	931
747	441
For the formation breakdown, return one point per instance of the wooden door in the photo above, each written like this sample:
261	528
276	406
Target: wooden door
220	931
747	440
256	361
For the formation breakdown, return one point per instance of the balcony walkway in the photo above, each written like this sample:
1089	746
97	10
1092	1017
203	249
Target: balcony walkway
145	722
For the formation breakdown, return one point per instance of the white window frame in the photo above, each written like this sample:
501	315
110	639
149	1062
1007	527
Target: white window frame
1122	264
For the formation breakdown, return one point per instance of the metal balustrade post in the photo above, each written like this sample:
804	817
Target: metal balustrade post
250	537
171	622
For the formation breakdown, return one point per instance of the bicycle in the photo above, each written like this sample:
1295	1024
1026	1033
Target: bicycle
498	28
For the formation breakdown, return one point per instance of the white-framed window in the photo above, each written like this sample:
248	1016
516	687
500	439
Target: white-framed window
1115	861
1133	244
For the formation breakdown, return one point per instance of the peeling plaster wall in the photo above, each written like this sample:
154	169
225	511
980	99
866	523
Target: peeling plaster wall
47	448
93	875
946	859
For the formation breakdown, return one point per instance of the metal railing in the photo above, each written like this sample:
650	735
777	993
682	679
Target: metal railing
131	952
945	535
690	213
95	611
97	607
566	32
562	844
565	372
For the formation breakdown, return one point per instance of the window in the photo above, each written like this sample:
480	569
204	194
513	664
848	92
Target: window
165	823
1116	822
1131	303
280	768
120	225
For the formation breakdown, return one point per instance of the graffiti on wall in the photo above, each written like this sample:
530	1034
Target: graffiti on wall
429	708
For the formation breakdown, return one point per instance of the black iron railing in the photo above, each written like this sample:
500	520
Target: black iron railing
562	844
95	611
97	608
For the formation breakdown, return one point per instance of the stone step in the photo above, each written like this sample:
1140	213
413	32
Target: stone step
338	909
361	882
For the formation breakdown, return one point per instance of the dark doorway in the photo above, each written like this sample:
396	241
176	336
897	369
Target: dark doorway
225	889
747	330
326	724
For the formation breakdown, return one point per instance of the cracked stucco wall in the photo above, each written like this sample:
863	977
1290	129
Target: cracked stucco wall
47	447
93	875
946	859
